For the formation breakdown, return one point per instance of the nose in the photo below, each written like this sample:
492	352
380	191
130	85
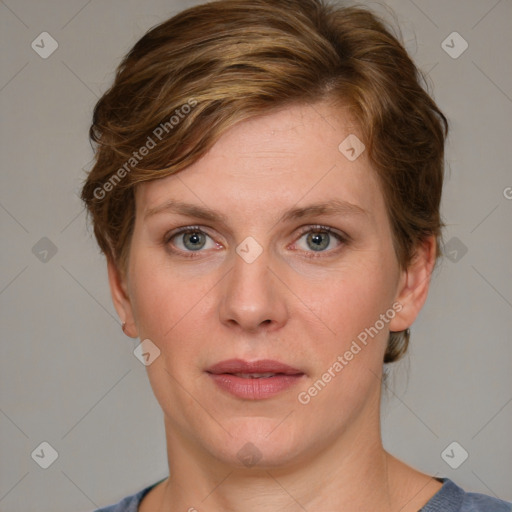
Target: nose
253	297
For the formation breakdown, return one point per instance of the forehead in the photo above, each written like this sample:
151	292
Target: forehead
290	157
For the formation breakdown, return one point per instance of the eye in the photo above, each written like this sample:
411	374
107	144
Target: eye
189	239
192	239
320	238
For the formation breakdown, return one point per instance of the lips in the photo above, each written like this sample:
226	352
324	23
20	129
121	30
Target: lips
254	380
259	369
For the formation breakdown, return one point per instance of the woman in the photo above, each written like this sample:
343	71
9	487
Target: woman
266	191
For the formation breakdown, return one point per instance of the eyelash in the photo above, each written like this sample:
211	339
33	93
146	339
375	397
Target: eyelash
342	238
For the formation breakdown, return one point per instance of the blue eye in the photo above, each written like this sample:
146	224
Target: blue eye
320	238
319	241
194	241
189	239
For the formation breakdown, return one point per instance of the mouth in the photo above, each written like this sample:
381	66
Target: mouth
255	375
254	380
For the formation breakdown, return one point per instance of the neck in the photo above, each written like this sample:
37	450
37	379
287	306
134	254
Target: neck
349	474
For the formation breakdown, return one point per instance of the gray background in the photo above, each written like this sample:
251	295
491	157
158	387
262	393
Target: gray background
68	375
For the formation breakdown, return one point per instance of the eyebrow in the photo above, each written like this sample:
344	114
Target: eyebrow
330	208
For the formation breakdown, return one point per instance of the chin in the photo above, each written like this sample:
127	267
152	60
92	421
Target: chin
259	443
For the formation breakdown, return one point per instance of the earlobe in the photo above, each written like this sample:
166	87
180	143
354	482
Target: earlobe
121	299
414	285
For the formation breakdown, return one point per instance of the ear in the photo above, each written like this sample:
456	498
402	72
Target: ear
414	284
121	299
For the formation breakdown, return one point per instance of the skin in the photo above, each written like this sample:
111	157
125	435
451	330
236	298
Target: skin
292	304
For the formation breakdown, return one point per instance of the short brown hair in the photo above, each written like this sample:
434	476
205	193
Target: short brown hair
189	79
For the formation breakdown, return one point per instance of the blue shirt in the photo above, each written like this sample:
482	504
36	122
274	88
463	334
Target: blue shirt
450	498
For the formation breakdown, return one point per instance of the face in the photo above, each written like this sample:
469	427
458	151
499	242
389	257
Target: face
265	274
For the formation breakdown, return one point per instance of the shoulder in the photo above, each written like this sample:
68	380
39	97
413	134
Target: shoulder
474	502
129	504
452	498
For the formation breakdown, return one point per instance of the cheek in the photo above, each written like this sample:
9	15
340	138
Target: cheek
169	306
168	310
352	298
349	362
352	308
